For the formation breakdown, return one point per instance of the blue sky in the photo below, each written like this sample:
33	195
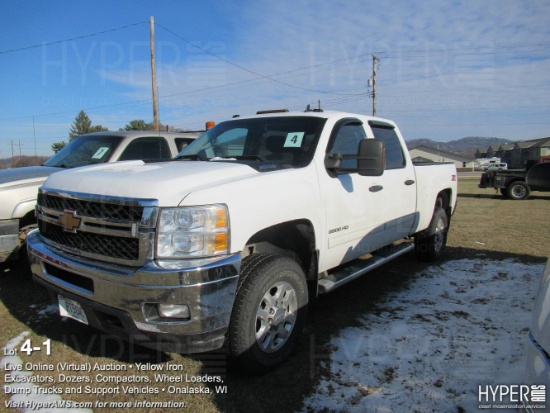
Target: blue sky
447	70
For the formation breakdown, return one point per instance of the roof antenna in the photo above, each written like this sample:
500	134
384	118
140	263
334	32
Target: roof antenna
308	107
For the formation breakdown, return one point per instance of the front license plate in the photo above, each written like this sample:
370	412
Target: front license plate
71	309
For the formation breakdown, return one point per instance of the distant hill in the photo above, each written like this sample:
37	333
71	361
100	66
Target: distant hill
19	161
465	146
5	163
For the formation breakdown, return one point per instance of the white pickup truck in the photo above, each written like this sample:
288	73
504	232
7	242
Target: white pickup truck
19	186
229	242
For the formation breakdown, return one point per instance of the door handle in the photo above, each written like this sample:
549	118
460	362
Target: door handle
376	188
409	182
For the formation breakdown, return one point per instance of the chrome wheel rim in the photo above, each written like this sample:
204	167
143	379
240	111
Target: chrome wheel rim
518	191
276	316
439	236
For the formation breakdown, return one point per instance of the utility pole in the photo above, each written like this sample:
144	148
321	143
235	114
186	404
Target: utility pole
374	60
34	135
154	75
12	143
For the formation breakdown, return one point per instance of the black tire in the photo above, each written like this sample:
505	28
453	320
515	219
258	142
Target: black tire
518	191
23	258
430	243
269	312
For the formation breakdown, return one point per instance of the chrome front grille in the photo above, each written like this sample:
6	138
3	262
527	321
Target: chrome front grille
104	245
116	230
103	210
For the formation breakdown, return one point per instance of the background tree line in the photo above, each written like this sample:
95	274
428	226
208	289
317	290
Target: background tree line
82	125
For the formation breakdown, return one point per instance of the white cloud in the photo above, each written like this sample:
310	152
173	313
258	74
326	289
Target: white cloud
460	56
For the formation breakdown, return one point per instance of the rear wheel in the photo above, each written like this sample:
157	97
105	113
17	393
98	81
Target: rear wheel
518	190
269	312
430	244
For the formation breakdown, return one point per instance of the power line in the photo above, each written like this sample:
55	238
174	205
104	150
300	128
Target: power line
84	36
358	59
244	68
172	95
465	51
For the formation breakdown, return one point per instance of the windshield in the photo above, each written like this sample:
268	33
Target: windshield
276	141
85	150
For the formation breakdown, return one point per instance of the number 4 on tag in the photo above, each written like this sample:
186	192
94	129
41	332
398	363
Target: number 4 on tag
294	139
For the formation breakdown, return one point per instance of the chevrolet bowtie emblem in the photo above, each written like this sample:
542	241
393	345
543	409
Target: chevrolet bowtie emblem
69	221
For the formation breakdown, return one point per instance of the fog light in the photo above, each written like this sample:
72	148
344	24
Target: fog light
174	311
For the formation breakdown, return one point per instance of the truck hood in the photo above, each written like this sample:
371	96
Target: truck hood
25	175
167	182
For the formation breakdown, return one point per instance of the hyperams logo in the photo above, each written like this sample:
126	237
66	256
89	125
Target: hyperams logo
515	396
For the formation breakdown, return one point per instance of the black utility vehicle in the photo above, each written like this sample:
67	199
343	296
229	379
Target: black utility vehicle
518	185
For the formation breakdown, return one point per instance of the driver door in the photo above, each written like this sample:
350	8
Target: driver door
354	203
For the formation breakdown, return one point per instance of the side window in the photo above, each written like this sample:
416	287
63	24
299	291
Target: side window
147	149
182	143
346	142
394	152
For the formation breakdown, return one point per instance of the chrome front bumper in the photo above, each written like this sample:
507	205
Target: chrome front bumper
122	300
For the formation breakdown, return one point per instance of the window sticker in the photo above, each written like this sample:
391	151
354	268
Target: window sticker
294	139
100	153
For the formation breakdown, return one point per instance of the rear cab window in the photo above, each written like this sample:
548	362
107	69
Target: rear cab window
147	149
395	158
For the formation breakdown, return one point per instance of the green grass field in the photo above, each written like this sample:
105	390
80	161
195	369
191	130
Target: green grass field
484	223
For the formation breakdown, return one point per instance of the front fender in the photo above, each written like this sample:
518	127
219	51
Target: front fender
18	200
24	208
265	200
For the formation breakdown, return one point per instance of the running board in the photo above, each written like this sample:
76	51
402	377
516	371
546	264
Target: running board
357	268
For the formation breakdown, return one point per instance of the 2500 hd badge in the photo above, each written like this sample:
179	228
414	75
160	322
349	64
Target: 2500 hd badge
332	231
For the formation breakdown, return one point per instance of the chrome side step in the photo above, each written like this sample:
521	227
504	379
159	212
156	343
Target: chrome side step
359	267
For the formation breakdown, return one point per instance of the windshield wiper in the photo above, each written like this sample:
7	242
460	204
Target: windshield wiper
194	157
197	157
250	158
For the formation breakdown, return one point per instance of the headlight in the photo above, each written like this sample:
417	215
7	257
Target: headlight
193	231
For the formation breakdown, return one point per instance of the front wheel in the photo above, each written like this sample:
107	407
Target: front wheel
430	244
269	312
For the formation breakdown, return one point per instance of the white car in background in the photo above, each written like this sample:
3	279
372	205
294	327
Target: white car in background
19	186
538	349
500	166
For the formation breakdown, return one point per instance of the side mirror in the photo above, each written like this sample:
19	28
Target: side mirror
371	157
333	161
